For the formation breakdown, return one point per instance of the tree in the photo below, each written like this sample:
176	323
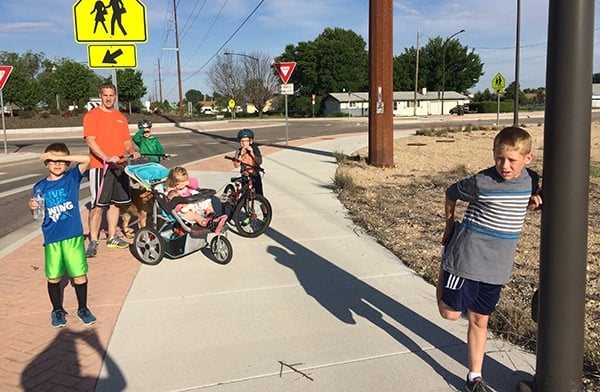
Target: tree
75	82
22	87
226	78
194	96
509	93
463	67
336	60
131	87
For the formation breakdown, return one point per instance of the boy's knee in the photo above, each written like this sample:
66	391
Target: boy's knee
447	312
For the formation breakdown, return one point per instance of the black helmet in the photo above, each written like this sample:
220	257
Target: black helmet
145	124
245	133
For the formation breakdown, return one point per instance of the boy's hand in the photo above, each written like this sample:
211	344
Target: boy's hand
535	202
32	204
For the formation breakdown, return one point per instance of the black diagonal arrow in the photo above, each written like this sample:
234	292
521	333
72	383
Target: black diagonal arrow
111	58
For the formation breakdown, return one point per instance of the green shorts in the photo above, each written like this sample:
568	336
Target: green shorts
66	255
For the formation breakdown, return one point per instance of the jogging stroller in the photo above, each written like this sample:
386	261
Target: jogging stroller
167	233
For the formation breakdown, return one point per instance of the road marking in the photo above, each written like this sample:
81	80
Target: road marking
29	188
19	178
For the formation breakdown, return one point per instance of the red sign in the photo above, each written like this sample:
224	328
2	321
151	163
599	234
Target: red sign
285	70
5	70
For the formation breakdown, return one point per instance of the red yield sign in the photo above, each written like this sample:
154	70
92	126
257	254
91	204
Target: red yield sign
285	70
5	71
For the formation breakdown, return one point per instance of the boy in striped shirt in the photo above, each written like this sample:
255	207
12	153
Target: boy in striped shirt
478	252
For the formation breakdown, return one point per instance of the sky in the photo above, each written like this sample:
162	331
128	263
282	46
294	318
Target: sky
210	28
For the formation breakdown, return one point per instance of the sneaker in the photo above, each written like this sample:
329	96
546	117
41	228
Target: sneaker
92	249
477	385
86	317
117	243
58	318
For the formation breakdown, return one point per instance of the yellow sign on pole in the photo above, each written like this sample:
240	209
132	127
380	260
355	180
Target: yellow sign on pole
498	82
117	20
231	103
112	56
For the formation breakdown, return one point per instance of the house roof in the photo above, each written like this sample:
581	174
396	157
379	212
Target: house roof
399	96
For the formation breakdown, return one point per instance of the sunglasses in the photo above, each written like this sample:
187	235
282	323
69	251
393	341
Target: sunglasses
49	161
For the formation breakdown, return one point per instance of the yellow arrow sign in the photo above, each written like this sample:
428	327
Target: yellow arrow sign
112	56
115	20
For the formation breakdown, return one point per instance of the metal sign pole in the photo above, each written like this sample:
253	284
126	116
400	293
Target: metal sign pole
3	124
498	111
286	121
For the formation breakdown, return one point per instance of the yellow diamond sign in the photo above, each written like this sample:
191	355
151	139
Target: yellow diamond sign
109	20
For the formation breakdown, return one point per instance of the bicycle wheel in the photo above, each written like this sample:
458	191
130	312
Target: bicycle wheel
252	216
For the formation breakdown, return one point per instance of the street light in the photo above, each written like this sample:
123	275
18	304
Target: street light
243	55
444	64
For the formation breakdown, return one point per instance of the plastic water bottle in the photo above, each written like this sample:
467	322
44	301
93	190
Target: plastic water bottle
40	211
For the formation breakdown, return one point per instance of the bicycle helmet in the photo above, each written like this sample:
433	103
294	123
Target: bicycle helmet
245	133
145	124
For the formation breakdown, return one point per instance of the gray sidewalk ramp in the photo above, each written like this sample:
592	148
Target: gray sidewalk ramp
314	304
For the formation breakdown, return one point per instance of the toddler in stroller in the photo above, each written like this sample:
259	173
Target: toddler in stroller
171	234
180	184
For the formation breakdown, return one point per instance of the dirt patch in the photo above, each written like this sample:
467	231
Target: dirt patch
403	208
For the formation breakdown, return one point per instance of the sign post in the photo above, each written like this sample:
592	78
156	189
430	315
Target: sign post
5	71
231	105
498	84
285	70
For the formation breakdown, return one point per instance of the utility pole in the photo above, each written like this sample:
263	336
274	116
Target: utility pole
517	56
160	83
178	59
416	75
381	84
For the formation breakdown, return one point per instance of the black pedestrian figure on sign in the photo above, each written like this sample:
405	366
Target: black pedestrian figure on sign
118	9
100	11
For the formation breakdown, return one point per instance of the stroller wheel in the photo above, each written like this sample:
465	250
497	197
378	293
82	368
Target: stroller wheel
221	249
148	246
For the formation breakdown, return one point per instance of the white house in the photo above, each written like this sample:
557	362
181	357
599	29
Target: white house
427	103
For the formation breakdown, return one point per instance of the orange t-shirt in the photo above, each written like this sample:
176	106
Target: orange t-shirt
111	131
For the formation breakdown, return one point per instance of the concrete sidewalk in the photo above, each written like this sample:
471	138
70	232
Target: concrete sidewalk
314	304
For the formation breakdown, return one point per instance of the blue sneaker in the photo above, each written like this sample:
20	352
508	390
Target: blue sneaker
58	318
86	317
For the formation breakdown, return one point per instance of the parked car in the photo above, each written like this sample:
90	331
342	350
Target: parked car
462	109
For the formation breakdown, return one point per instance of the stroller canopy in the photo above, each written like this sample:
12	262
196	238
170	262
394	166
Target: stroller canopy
147	174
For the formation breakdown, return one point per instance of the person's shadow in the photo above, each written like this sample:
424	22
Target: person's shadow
57	368
343	294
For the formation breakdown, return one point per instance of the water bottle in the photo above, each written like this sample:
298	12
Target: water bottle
40	211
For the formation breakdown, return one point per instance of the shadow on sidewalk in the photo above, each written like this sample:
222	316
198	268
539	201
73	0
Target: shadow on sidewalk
58	367
343	295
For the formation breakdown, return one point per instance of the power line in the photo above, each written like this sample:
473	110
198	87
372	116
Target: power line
226	41
214	22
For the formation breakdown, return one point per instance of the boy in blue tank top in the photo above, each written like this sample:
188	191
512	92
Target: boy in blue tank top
64	247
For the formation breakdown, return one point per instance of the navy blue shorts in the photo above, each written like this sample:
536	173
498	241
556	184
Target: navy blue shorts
461	294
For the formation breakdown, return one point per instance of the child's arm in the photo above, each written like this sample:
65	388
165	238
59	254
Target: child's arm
83	160
449	208
137	138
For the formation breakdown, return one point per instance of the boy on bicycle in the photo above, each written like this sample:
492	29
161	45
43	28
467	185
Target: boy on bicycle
148	144
248	158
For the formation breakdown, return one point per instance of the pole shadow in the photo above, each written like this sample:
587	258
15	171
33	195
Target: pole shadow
343	294
58	366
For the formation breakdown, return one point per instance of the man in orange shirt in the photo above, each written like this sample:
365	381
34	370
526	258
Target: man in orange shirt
106	133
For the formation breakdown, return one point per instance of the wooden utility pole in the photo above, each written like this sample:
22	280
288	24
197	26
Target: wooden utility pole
381	84
178	59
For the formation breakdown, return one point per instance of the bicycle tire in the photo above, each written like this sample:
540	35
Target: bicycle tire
252	217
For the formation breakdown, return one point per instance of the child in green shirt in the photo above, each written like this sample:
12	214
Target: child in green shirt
150	147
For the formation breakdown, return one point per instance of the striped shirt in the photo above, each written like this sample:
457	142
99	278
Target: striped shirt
483	246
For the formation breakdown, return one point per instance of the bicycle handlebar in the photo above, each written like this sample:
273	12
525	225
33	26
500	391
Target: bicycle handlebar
260	169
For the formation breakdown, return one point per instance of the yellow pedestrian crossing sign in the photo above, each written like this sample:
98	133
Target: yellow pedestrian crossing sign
498	83
109	20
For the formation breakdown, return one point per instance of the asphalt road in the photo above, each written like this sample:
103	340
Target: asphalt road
17	178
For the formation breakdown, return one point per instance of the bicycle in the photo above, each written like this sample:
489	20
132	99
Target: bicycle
250	212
